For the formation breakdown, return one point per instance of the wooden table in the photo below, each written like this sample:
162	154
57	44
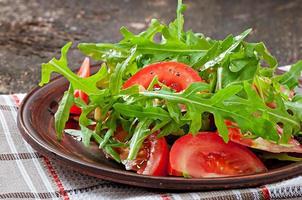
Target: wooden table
32	31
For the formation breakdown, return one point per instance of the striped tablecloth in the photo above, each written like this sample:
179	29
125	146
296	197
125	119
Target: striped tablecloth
25	174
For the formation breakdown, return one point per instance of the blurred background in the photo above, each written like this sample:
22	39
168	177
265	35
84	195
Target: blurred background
33	31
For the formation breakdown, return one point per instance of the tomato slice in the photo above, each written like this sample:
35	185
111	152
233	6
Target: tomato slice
236	136
120	134
207	155
152	158
83	72
175	75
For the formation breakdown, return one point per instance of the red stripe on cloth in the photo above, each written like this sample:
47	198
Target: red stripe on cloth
51	170
56	178
165	197
265	193
16	99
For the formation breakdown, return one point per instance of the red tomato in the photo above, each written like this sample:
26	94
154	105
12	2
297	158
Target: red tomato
120	134
207	155
152	158
177	76
83	72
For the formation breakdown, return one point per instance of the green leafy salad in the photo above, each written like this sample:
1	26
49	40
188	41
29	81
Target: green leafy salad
173	102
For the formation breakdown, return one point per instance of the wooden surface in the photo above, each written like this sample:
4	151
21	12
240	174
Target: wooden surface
32	31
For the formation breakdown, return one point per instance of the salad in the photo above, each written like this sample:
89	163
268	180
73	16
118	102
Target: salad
172	102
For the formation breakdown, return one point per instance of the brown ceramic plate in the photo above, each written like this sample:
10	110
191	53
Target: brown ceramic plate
35	121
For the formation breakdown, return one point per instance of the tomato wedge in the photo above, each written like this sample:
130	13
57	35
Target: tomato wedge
207	155
175	75
236	136
152	159
83	72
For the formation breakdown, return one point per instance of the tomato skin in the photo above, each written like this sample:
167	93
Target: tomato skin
207	155
75	109
83	72
152	159
157	164
236	136
175	75
120	134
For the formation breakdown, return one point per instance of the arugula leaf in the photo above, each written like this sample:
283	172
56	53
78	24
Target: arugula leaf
61	66
174	44
86	135
196	104
195	88
180	19
86	110
194	115
174	111
265	118
247	72
263	53
104	51
146	46
172	128
195	39
116	79
108	149
225	94
62	114
111	123
290	78
208	55
250	113
140	134
238	39
140	112
237	65
112	153
221	127
295	106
